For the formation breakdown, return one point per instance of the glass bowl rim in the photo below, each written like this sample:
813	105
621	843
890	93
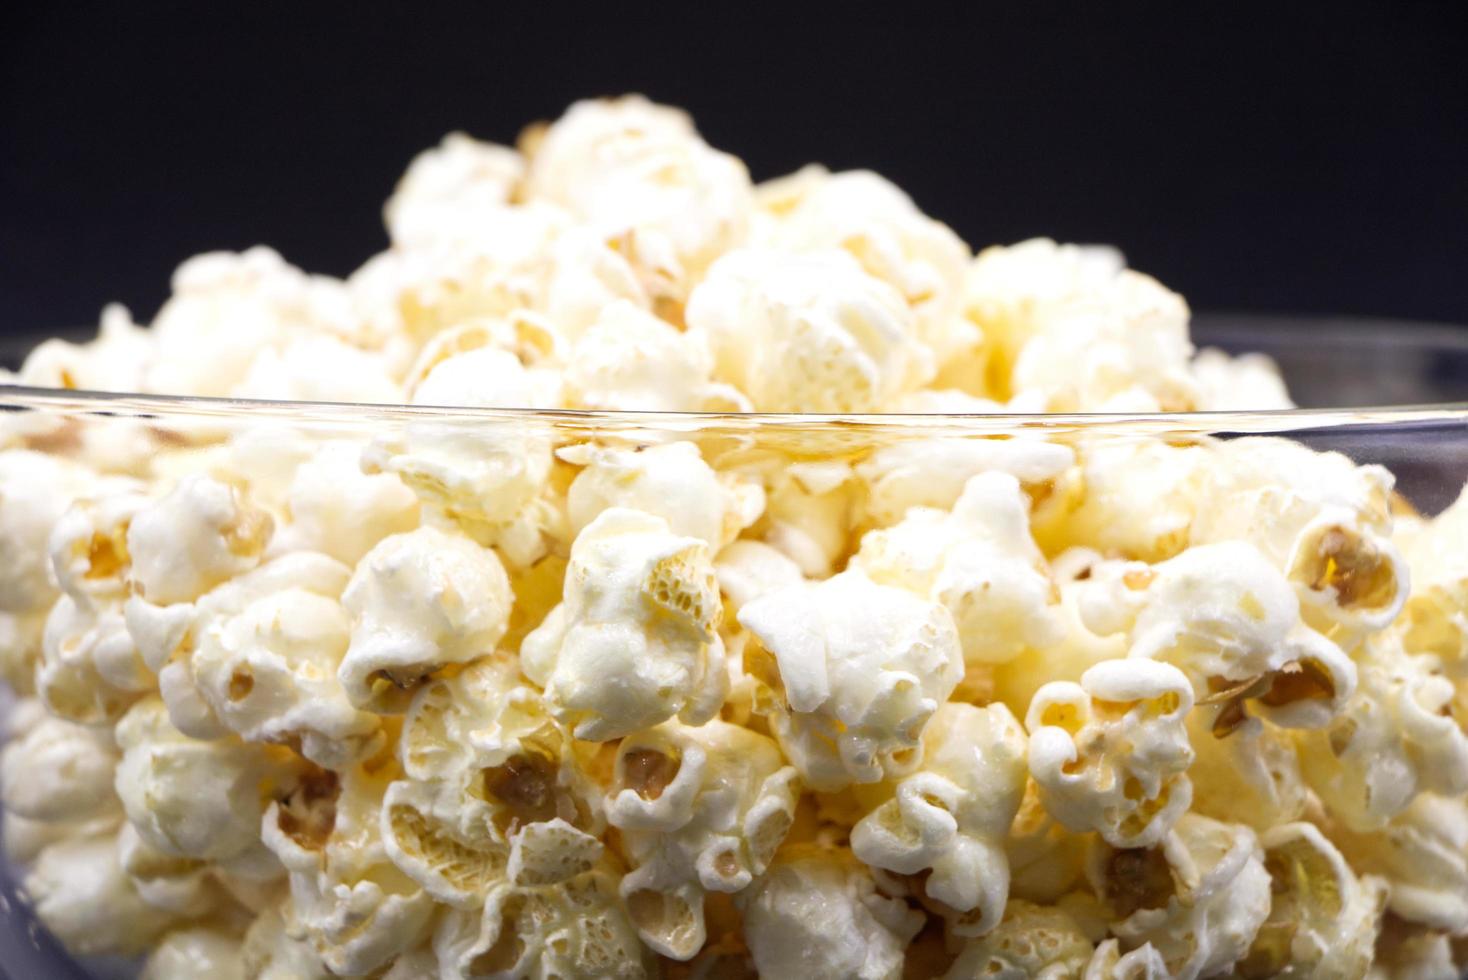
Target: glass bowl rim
1425	336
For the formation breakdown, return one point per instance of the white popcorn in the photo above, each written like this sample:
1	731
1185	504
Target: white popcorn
90	670
1111	753
1395	738
418	601
270	953
1072	326
980	562
192	798
225	309
79	892
1136	497
817	914
952	816
1110	963
115	360
1199	898
635	640
355	909
270	675
1435	618
748	569
575	928
449	192
629	360
1230	621
807	332
933	472
640	175
586	274
1045	859
483	473
1423	855
58	771
809	510
670	481
1250	776
20	649
700	809
185	887
198	951
852	672
88	545
1246	383
1033	941
294	372
35	490
1323	920
1321	519
866	215
340	511
199	535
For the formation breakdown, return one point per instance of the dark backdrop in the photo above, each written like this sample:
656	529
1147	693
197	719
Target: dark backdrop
1289	157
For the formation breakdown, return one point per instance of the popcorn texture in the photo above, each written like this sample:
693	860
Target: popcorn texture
493	681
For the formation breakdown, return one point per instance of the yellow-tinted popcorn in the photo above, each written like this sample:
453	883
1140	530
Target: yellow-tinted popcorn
952	815
980	562
418	601
1111	753
699	810
494	681
635	640
817	913
196	951
851	673
808	332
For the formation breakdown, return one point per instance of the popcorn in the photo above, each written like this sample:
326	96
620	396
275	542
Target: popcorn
878	224
1199	898
575	928
81	895
1423	855
980	562
1232	623
225	309
480	693
670	481
1395	738
700	810
199	535
269	673
199	951
640	176
58	771
1322	520
852	671
449	192
1246	383
192	798
338	510
1111	753
629	360
635	640
816	913
807	332
934	472
1032	941
418	601
356	910
951	817
1323	920
89	670
35	490
88	545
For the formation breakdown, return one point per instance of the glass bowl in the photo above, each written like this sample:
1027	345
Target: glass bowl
1377	391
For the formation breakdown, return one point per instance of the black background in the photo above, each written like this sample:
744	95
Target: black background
1289	157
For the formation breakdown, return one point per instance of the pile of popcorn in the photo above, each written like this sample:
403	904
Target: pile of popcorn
489	700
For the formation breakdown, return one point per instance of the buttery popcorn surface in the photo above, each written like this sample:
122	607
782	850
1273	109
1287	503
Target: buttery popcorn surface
586	651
